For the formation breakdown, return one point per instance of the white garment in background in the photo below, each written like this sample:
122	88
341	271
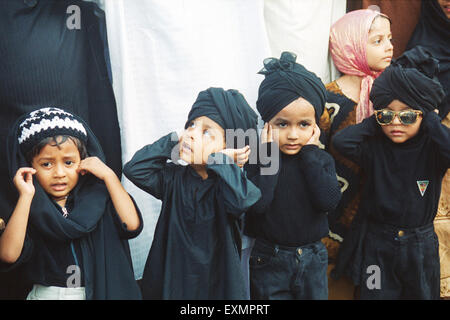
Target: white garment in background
163	53
303	27
40	292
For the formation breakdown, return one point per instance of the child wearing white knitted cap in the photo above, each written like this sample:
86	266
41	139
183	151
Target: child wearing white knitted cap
72	220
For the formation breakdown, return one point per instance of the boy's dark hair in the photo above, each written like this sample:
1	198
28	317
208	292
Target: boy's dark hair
56	141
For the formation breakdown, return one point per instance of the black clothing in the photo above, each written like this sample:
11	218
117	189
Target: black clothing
433	32
403	182
56	256
407	262
288	273
43	63
294	203
285	81
228	108
92	223
411	78
394	171
194	253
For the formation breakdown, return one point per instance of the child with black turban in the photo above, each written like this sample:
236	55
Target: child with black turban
288	260
392	249
195	253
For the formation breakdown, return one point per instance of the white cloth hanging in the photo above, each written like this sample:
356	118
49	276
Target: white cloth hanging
162	54
303	27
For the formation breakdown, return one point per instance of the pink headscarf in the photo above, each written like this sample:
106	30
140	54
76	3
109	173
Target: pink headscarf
348	41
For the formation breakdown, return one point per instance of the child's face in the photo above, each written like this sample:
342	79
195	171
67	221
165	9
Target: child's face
56	168
293	126
379	47
202	137
445	6
396	131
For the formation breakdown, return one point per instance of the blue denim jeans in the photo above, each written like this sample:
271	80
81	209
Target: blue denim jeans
288	273
406	260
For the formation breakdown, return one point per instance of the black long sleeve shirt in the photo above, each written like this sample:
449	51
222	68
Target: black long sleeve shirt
294	203
403	180
194	254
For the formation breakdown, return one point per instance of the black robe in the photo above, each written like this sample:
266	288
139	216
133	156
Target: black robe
433	33
195	253
44	63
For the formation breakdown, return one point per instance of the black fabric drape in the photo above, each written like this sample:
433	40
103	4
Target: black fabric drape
44	63
433	33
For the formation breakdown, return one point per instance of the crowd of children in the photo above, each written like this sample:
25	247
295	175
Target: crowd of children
359	166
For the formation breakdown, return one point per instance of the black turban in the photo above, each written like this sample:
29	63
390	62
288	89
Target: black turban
411	79
286	81
228	108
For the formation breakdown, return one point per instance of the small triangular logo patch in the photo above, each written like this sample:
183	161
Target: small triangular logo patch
423	186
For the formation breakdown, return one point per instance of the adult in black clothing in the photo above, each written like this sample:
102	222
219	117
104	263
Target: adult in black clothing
289	261
433	32
46	63
405	157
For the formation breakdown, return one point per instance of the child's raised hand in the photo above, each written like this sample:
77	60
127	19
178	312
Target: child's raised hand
23	180
315	136
96	167
239	156
266	134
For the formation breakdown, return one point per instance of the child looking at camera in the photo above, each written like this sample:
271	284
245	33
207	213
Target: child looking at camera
73	218
405	151
288	260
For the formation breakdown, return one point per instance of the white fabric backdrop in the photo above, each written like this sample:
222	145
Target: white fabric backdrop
302	27
164	52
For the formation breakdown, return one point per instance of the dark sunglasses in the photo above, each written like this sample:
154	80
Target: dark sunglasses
407	117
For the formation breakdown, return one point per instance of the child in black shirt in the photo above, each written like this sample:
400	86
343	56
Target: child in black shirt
405	157
289	260
196	246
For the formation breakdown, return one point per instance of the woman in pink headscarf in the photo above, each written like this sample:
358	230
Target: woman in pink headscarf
360	45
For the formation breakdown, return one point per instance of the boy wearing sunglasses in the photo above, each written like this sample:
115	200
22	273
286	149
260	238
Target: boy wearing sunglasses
404	150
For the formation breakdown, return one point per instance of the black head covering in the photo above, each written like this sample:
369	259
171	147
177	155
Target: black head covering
411	78
285	81
107	264
226	107
433	33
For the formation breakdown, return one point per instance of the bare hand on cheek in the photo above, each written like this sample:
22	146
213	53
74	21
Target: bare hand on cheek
94	166
239	156
314	140
267	133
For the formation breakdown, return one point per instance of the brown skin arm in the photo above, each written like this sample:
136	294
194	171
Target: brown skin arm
12	239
